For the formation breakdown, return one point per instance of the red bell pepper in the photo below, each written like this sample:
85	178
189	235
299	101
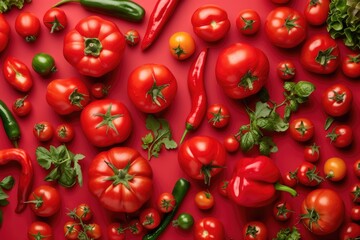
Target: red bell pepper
17	74
255	181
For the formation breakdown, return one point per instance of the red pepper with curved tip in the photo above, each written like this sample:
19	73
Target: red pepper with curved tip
255	181
197	93
17	74
161	13
26	176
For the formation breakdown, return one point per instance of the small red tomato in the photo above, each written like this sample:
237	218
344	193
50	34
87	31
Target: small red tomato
72	230
218	115
209	228
166	202
55	19
27	25
40	230
83	212
132	37
44	201
341	136
337	100
255	230
312	153
115	231
286	69
301	129
204	200
308	175
316	11
355	213
222	187
135	227
93	231
351	65
65	133
350	231
99	90
231	144
22	107
290	178
356	168
43	131
248	22
282	211
150	218
355	193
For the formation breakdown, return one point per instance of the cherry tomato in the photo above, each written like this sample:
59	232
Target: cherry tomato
166	202
248	22
337	100
301	129
355	193
27	25
356	168
150	218
22	107
65	133
93	231
282	211
184	221
204	200
43	131
255	230
355	213
72	230
132	37
290	178
335	169
181	45
83	212
55	19
45	201
209	228
218	115
350	231
135	227
312	153
231	144
99	90
316	11
40	230
351	65
115	231
43	64
341	136
222	187
308	175
286	70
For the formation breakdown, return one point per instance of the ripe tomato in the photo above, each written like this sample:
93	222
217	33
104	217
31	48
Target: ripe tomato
351	65
248	22
320	54
337	100
204	200
151	88
27	25
22	107
106	122
356	168
45	201
4	33
150	218
286	69
55	19
285	27
72	230
67	95
355	213
335	169
350	231
316	11
341	136
312	153
181	45
355	193
99	90
301	129
308	175
17	74
282	211
83	212
166	202
39	230
322	211
218	115
93	231
231	144
115	231
65	133
132	37
43	131
209	228
43	64
290	178
222	188
135	227
255	230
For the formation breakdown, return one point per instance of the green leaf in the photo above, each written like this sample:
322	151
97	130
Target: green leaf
67	177
43	157
279	124
265	123
3	195
247	141
262	110
328	122
147	139
7	183
304	88
288	234
3	202
287	113
267	146
54	175
152	124
169	143
78	172
1	217
289	86
263	95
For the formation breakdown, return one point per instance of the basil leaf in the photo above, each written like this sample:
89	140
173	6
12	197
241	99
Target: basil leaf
247	141
263	95
328	123
7	183
287	113
262	110
289	86
67	177
3	195
53	175
267	146
43	157
304	89
78	172
3	202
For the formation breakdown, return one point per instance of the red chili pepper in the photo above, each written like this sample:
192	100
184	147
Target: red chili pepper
197	93
17	74
20	156
158	18
255	181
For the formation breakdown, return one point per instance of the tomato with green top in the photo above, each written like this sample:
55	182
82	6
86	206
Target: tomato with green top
335	169
181	45
337	100
350	65
27	25
204	200
218	115
317	11
132	37
43	131
312	153
150	218
55	19
209	228
255	230
22	106
166	202
248	22
65	132
301	129
286	70
40	230
45	201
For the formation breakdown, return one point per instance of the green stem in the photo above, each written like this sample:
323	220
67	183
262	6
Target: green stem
65	1
285	188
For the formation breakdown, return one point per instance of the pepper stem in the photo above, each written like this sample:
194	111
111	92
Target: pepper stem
281	187
65	1
188	127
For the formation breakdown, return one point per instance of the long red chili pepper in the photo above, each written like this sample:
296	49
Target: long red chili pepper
158	18
26	176
197	93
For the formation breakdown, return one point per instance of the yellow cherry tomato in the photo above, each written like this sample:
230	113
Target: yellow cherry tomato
181	45
335	169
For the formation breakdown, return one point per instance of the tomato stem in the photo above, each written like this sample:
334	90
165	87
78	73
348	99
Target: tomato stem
281	187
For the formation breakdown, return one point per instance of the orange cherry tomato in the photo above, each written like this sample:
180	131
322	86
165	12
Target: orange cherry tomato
204	200
335	169
181	45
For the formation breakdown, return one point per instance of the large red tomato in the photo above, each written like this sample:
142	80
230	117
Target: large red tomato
285	27
95	47
121	178
4	33
152	88
209	228
106	122
202	157
241	70
322	211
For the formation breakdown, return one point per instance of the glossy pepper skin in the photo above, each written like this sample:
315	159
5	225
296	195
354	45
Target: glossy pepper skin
26	176
4	33
17	74
255	181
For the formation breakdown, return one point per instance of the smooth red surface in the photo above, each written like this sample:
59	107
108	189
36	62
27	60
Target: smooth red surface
166	168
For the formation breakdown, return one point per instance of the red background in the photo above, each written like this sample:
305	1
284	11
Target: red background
166	168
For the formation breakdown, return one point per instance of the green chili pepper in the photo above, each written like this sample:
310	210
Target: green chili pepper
179	192
11	127
124	9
